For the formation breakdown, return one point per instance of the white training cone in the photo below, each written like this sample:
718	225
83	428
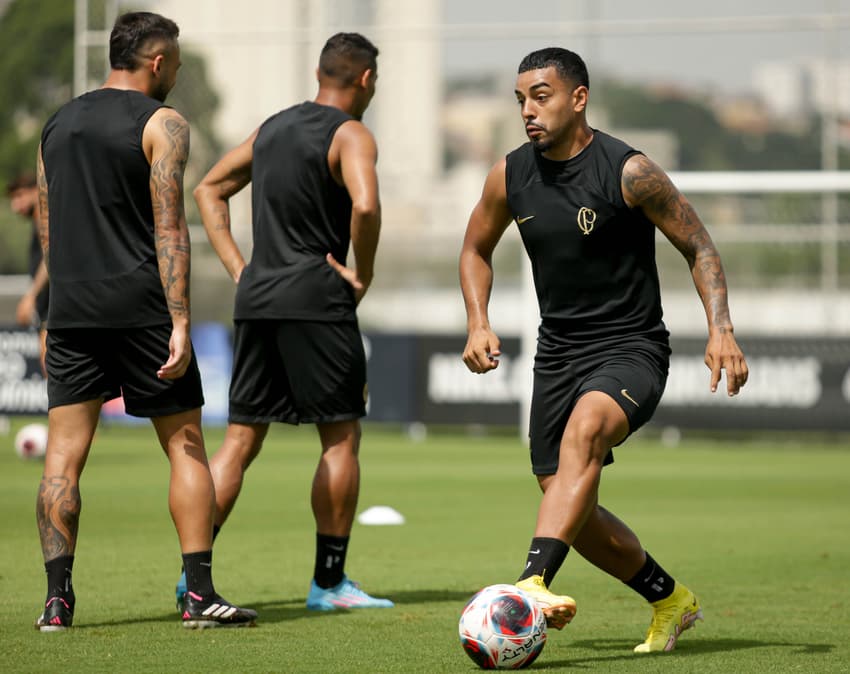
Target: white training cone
378	515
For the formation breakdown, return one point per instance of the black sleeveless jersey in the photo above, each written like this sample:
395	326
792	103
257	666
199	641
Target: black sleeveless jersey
103	265
300	214
593	257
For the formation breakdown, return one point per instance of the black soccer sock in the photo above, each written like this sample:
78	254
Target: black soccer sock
652	582
330	559
59	583
216	529
545	556
198	566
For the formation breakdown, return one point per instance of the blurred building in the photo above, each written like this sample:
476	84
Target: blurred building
791	88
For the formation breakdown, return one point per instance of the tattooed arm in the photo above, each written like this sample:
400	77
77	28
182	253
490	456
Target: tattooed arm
43	211
230	174
647	187
166	144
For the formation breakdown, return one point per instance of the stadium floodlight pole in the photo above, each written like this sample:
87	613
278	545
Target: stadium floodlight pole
829	156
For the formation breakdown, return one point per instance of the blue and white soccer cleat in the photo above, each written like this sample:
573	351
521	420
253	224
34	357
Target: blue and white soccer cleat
347	594
180	592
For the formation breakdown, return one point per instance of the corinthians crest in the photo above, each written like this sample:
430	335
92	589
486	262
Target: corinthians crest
586	218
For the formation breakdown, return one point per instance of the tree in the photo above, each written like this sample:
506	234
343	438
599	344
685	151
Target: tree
36	78
36	73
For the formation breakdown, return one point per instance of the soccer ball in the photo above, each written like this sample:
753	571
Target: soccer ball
31	441
502	628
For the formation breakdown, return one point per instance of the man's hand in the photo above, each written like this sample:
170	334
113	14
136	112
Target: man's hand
350	276
482	351
723	353
179	356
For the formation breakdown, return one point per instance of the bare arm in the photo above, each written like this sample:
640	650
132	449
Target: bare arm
166	143
43	214
352	156
487	223
25	311
229	175
647	187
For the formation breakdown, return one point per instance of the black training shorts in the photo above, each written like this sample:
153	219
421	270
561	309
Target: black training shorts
297	371
89	363
632	371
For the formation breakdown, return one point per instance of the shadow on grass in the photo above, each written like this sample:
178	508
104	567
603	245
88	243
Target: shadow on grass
624	648
282	610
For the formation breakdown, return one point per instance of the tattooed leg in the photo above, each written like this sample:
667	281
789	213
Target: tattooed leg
58	515
69	436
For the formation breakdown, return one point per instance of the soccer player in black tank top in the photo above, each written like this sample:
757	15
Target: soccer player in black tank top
586	206
115	241
298	353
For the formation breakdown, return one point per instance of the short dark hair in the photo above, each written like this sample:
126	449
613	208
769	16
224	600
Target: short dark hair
569	65
132	32
345	56
22	181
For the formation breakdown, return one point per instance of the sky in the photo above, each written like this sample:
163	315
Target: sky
726	39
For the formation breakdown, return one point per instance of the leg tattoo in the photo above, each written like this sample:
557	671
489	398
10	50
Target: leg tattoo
58	515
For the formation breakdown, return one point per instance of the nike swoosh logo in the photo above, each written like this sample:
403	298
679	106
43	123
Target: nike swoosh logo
519	221
625	394
337	548
534	552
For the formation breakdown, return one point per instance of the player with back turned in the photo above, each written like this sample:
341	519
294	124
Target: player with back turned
298	352
587	206
116	244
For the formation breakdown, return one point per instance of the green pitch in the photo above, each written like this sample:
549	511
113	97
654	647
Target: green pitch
760	531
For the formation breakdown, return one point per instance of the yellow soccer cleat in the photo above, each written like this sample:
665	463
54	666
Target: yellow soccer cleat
558	609
670	617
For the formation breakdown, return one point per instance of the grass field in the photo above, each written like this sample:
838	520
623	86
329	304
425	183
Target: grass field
760	530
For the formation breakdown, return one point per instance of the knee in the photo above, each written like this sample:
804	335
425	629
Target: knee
242	444
585	437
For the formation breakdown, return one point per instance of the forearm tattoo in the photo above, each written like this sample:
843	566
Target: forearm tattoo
43	209
171	233
58	515
646	185
222	217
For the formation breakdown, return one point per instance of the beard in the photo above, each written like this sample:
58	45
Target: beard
542	144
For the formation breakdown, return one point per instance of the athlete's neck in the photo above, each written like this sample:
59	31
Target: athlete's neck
340	98
572	146
127	80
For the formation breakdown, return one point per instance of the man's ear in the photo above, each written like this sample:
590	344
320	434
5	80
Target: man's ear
156	64
363	80
580	96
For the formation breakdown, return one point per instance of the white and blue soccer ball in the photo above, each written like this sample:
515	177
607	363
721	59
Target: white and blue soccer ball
502	628
31	441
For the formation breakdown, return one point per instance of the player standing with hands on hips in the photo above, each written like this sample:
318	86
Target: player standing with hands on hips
114	235
298	354
587	205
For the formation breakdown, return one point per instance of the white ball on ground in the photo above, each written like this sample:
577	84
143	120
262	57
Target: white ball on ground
31	441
